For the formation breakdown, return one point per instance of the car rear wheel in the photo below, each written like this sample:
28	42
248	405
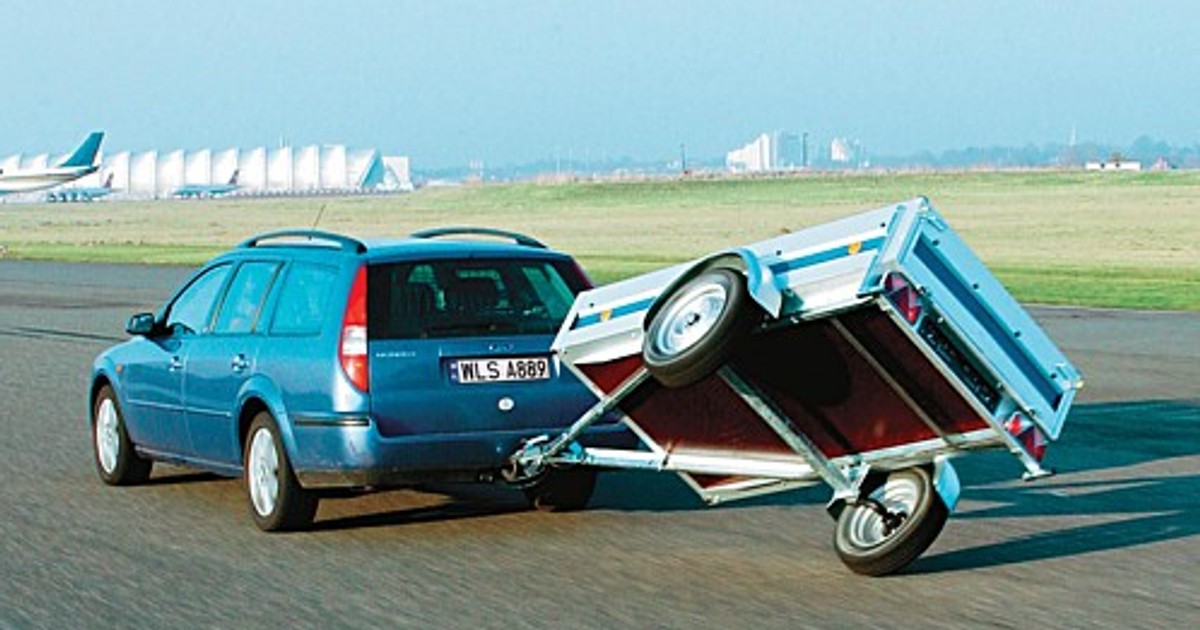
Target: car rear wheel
116	460
897	519
697	328
562	489
277	502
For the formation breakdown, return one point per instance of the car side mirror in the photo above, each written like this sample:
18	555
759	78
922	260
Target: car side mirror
141	324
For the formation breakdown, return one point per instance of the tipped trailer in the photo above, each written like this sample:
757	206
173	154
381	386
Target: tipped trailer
863	353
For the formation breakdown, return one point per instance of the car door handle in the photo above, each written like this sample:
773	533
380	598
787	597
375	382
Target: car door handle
175	364
239	363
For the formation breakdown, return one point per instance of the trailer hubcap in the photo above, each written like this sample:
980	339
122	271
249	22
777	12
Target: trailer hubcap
691	317
883	512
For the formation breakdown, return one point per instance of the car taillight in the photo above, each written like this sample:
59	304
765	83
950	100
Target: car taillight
903	296
587	281
1028	435
353	349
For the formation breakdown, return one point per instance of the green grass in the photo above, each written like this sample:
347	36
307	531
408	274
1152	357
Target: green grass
1111	239
1147	289
118	253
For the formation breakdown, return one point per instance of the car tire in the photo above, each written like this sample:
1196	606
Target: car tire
897	519
697	328
561	489
117	462
277	502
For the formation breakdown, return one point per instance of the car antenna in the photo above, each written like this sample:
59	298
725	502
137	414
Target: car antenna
320	213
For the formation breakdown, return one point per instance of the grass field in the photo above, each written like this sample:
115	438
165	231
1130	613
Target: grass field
1119	240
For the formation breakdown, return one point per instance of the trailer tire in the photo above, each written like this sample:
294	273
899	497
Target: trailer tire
561	489
870	542
697	328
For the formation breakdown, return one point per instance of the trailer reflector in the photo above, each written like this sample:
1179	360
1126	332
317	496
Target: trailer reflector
903	296
1028	435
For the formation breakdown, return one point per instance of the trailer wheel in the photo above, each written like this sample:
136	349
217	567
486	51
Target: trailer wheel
561	489
898	517
697	328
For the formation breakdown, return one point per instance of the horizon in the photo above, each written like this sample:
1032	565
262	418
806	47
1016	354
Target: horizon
522	82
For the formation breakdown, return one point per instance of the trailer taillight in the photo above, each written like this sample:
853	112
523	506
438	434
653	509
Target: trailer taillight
352	353
903	296
1028	434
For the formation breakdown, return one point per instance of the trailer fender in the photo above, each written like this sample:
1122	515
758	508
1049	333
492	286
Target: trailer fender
945	481
760	282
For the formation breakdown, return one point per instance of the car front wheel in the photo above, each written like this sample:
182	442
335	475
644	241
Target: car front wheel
116	461
277	502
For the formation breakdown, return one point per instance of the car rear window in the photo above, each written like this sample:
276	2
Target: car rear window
467	298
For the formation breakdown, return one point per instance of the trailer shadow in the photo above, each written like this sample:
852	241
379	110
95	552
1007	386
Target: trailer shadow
1115	449
1100	440
1158	509
1124	433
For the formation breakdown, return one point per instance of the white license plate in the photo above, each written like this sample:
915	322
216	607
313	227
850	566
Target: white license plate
500	370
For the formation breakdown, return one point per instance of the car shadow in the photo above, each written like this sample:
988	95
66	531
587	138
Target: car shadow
430	503
180	476
453	511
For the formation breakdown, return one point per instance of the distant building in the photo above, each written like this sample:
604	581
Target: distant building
1162	164
1114	165
841	151
756	157
259	171
777	151
791	150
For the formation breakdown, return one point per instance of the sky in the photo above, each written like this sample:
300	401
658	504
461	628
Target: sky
448	82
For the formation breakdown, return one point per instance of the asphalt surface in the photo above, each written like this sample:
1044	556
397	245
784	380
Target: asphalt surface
1112	541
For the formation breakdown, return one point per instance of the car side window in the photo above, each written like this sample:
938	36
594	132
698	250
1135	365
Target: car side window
303	300
245	298
190	311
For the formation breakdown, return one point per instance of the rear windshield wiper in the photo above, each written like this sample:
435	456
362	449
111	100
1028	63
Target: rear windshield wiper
484	326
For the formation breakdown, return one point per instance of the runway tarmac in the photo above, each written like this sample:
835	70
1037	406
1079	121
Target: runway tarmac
1113	541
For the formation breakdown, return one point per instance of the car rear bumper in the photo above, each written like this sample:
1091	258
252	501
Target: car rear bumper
354	454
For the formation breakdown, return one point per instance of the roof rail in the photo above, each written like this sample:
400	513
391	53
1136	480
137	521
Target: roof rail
345	243
519	239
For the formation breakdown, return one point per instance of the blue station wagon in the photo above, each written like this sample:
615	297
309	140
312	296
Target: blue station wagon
309	363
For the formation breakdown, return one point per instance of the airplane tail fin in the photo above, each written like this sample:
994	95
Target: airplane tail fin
233	180
85	155
108	181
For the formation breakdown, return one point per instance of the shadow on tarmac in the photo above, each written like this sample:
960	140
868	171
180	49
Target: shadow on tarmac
1117	441
1099	439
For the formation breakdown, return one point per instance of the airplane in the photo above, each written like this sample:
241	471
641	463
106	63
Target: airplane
86	193
205	191
81	162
